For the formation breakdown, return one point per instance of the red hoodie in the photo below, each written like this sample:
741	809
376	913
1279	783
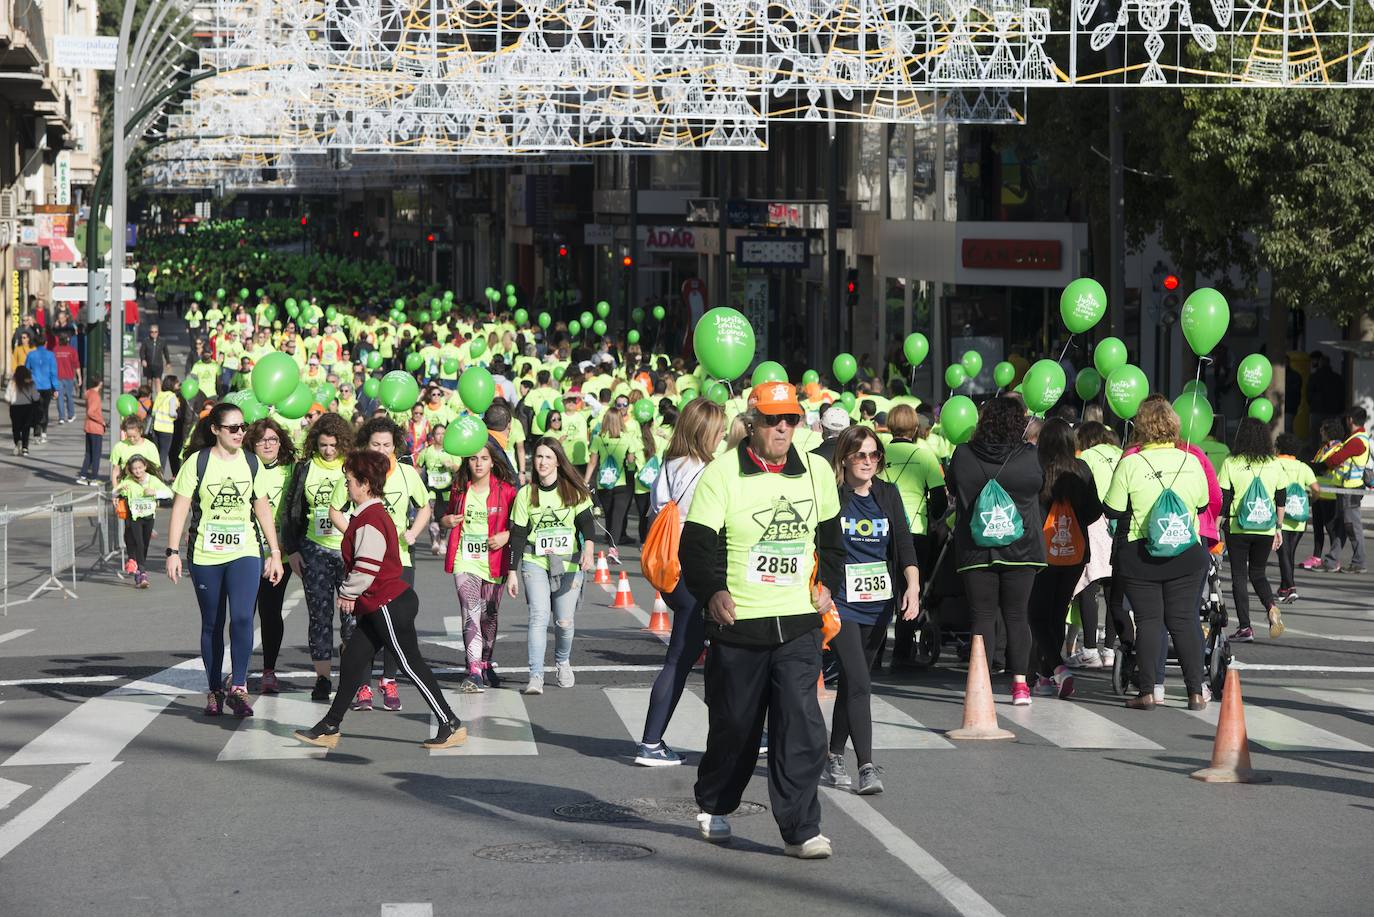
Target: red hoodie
372	559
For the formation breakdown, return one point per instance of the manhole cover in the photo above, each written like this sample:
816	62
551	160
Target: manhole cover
680	808
564	852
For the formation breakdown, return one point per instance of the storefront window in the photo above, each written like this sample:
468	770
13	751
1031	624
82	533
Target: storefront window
898	173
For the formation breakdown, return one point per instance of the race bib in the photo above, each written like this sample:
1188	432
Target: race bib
556	542
223	537
142	506
867	582
474	548
776	563
439	480
321	525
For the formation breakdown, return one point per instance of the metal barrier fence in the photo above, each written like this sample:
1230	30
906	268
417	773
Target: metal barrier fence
22	533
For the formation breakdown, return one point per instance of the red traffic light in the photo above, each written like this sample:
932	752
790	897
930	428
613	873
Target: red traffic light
356	234
852	287
1171	282
627	261
429	237
304	220
562	251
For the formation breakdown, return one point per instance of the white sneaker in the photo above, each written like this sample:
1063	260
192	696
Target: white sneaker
1071	640
563	672
713	828
1207	692
535	685
1108	656
815	848
1085	659
1159	694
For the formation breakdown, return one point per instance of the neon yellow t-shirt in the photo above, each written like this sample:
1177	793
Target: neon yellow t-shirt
473	556
1235	475
222	527
552	525
915	471
1142	476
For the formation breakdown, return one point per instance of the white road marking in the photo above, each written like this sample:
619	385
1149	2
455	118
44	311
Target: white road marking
497	722
14	634
1266	667
266	735
686	730
50	804
1280	732
912	855
1071	725
408	910
892	729
98	730
70	680
1361	701
1343	638
453	626
10	790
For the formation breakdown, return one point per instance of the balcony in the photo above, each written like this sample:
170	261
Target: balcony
23	45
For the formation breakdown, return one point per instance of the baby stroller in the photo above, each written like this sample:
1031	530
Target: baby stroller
1216	647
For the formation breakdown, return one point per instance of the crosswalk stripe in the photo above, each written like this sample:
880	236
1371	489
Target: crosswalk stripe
686	730
1343	638
1280	732
15	634
266	735
892	729
10	790
498	723
408	910
1360	701
97	730
1070	725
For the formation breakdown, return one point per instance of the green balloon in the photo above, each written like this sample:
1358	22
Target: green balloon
275	377
373	360
399	303
1262	409
1003	373
326	393
688	394
843	367
413	362
1254	375
638	315
559	372
220	293
544	320
810	376
724	342
1087	383
1195	385
768	371
1194	416
586	319
511	301
450	365
424	317
330	314
126	404
269	314
574	327
477	347
1109	354
659	313
190	388
632	336
972	361
258	294
958	418
644	410
243	293
399	391
915	348
1082	304
510	289
717	392
477	388
372	387
1126	388
465	436
292	309
297	404
521	316
848	400
603	308
598	327
1044	385
448	296
1205	318
199	296
955	375
253	409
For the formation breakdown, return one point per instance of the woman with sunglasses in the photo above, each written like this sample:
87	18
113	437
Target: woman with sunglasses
879	559
274	449
221	489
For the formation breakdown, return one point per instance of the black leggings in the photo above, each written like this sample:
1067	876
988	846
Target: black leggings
270	599
684	647
642	507
1288	553
1049	606
392	626
1249	554
855	646
137	534
1323	512
615	508
1089	613
21	423
1172	604
1004	592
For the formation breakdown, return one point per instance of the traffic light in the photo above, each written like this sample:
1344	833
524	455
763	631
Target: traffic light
1171	282
562	251
357	234
305	220
432	237
628	262
851	288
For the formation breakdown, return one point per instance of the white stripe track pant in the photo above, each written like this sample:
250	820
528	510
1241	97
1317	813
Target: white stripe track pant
392	626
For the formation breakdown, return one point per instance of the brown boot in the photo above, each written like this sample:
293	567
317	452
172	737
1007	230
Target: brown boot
1197	702
1144	701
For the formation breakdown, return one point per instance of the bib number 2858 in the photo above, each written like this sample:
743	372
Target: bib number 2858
776	563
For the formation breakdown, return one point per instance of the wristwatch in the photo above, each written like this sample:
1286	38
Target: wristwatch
173	552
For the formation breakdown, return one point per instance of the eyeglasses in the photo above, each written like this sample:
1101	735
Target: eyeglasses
772	420
233	427
270	440
864	456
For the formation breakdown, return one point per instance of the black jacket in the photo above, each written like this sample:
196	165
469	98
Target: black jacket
1078	489
1017	468
295	515
901	551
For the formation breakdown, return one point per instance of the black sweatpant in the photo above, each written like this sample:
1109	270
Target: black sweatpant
1090	614
744	686
1249	554
1171	604
855	646
642	508
40	417
1048	609
615	510
270	599
1004	592
1323	512
137	534
392	626
1288	555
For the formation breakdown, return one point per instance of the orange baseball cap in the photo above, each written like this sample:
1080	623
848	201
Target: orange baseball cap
776	398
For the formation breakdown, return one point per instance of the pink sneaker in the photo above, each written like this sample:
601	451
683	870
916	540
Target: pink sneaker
1063	682
1020	694
131	565
1313	561
391	698
363	699
268	684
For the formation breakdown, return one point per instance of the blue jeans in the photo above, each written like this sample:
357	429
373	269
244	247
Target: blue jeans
95	447
545	592
231	587
66	395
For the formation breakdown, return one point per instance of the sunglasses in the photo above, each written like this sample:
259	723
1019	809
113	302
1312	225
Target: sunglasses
772	420
233	427
864	456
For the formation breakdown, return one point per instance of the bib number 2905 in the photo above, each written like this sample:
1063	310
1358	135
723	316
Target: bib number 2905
220	538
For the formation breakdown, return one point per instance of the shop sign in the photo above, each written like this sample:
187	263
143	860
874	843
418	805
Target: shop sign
769	251
1012	254
670	239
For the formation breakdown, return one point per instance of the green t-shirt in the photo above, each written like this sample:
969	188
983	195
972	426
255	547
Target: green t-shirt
439	468
1142	476
770	523
1236	474
142	498
222	527
404	489
613	455
473	556
274	479
1216	452
1101	461
552	525
207	374
325	489
574	436
915	471
125	450
1300	473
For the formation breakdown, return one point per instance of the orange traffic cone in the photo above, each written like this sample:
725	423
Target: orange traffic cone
623	598
980	717
603	572
658	618
1231	750
822	692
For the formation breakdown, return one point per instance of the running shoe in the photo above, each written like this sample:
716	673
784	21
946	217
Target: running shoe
815	848
140	580
659	755
391	697
713	828
1044	687
321	734
449	735
1276	627
1159	694
214	703
1207	692
834	774
1020	694
1324	567
1108	656
1353	568
1086	658
1288	596
81	479
490	678
363	699
323	688
1243	635
1064	682
534	686
130	566
238	701
563	673
1311	562
472	684
870	780
268	683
